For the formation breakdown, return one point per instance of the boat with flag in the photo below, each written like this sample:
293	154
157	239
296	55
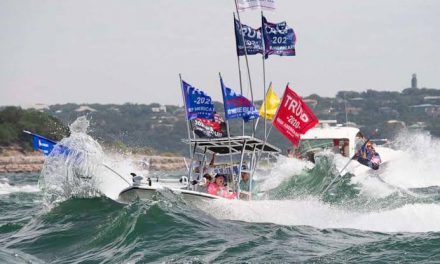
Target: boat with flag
241	150
234	155
233	159
209	136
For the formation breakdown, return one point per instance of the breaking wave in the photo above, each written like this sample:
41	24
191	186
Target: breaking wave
404	196
405	190
71	168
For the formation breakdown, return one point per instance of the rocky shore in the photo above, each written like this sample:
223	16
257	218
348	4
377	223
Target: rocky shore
14	159
166	163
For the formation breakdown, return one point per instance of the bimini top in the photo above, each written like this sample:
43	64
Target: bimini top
331	133
233	145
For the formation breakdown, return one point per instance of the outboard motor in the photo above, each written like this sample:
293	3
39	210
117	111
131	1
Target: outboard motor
184	180
137	179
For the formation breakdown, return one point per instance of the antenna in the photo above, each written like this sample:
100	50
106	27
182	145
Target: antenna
345	109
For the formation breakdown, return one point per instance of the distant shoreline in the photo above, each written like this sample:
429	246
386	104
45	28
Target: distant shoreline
14	159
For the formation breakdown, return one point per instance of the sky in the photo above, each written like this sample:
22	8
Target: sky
108	51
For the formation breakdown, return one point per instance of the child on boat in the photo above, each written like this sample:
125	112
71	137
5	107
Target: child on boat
219	188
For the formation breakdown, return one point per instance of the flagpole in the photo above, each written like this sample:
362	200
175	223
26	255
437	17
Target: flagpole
264	71
187	120
264	145
247	62
265	109
267	137
239	77
227	126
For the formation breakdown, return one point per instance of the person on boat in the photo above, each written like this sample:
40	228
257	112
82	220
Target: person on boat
368	156
359	141
245	184
208	168
345	151
335	148
219	188
203	184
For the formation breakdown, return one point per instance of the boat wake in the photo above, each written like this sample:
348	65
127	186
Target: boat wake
313	212
404	196
6	187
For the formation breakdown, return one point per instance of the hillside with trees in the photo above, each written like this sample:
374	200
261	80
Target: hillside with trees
13	120
159	129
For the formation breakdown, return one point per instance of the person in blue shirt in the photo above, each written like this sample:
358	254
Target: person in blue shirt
245	184
368	156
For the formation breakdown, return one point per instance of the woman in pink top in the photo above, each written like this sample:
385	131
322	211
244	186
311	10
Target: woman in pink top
218	188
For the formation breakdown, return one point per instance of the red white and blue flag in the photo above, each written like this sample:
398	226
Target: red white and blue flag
236	105
207	128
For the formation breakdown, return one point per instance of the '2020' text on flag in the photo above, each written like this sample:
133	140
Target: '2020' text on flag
198	103
279	39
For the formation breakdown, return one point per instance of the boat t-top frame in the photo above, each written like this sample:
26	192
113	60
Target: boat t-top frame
238	146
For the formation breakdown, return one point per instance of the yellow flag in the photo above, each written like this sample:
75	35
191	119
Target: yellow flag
271	103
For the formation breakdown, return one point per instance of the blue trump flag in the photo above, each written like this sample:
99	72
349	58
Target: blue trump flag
42	144
45	145
198	104
279	39
252	37
236	105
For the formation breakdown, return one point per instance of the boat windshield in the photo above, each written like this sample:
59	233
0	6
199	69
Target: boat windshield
336	145
310	144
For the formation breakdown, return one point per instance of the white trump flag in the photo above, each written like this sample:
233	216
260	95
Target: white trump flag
244	5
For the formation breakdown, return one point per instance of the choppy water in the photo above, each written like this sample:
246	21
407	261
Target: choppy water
99	230
390	218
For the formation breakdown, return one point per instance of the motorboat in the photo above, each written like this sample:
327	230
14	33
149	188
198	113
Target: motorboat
232	154
332	140
328	135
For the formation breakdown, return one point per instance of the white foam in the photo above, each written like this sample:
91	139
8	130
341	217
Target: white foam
282	170
310	212
6	188
413	165
72	173
418	165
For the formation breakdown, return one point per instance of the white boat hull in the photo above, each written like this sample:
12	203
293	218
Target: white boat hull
149	192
